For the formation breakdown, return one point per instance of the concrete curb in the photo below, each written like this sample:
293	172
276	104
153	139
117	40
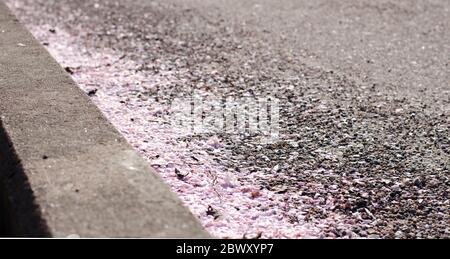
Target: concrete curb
64	169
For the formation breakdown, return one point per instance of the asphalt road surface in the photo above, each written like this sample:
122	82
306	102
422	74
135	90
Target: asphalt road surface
365	90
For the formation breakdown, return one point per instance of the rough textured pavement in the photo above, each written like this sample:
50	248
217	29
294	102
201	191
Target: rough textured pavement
64	169
365	89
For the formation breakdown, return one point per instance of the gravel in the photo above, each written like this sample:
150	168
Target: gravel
356	157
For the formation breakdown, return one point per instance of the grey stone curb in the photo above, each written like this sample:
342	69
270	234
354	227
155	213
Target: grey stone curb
64	169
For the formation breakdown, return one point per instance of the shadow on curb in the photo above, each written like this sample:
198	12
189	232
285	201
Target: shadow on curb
19	214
